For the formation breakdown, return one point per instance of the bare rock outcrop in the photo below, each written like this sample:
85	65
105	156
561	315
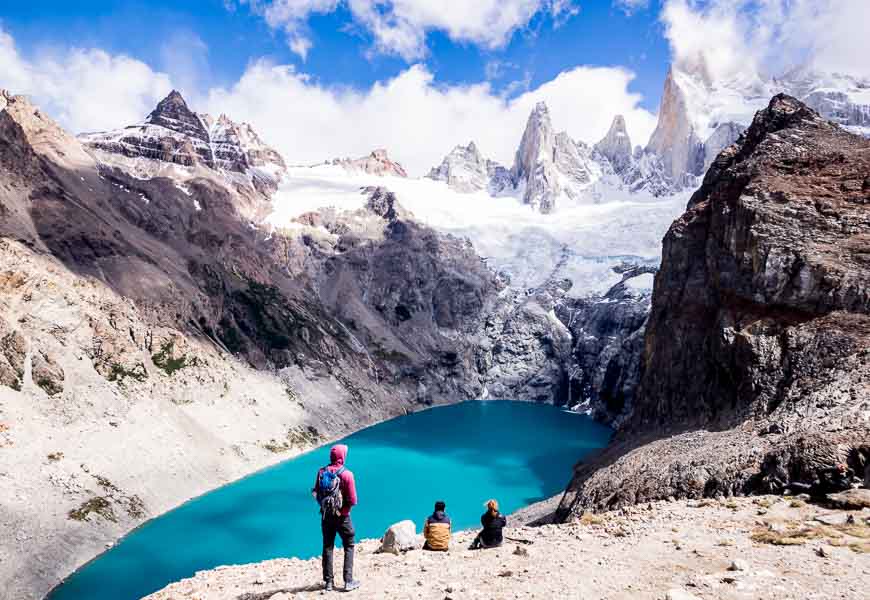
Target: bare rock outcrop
376	163
616	145
756	376
674	140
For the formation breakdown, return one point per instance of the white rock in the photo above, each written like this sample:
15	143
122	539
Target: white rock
399	537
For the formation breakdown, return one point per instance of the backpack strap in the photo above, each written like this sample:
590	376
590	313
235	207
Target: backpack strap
340	470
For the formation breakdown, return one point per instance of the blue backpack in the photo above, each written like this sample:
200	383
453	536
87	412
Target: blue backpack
329	492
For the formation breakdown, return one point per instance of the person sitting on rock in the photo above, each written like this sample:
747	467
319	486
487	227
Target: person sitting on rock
335	491
493	522
436	530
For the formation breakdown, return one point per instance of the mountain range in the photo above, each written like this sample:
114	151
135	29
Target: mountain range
163	333
697	119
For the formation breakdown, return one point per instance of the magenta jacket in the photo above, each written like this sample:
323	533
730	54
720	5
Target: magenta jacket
337	455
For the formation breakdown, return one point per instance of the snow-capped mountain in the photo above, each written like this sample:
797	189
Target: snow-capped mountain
551	169
376	163
700	116
466	170
175	135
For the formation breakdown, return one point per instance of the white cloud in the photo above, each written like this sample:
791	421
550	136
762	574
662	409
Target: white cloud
400	26
630	7
84	89
414	117
418	120
730	38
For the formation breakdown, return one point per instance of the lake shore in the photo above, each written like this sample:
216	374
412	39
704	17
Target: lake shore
733	549
270	514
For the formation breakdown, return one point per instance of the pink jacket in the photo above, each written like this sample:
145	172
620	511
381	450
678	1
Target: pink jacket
337	455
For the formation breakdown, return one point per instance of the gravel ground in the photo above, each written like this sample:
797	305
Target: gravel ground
758	548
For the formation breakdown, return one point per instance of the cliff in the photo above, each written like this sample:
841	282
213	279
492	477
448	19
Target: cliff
755	362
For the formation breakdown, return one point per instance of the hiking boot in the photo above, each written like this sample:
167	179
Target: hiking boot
351	585
328	586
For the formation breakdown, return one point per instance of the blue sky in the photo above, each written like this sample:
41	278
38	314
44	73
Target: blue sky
202	43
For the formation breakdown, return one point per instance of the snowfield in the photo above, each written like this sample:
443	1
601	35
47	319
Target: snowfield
582	240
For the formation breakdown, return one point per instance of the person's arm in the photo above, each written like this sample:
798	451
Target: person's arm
351	498
502	520
316	483
426	529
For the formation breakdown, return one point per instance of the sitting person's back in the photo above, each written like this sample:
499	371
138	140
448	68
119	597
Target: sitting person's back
493	522
437	529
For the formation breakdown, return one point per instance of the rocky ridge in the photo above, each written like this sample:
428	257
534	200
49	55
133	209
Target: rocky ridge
175	135
376	163
465	170
754	376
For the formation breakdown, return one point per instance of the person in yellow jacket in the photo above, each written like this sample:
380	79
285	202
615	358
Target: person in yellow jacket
437	529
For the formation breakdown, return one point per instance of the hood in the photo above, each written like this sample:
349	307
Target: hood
337	454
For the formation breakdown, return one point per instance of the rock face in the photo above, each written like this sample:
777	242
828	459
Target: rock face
756	373
674	140
616	145
604	369
376	163
466	170
174	134
549	165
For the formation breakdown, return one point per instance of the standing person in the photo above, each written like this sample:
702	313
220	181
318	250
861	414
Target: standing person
335	491
493	522
436	531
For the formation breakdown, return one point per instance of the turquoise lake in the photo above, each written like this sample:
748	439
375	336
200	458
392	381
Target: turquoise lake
463	454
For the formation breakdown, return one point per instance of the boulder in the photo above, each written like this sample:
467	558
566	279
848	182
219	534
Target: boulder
47	373
400	537
855	499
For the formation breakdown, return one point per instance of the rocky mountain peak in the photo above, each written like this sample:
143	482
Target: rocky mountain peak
674	140
173	113
466	170
175	135
616	145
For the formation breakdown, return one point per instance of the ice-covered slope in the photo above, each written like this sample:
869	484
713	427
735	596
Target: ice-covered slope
581	242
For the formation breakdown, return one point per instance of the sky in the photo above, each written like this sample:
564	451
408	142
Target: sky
325	78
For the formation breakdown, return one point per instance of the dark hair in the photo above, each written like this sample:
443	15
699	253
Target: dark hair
440	506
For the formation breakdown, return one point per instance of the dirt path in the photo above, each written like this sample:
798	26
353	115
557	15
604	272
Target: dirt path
677	551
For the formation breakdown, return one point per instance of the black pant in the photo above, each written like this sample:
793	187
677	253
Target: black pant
343	527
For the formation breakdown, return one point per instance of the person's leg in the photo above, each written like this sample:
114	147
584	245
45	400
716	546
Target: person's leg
348	540
328	528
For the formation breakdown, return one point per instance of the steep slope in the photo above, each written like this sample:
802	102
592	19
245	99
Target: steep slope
755	372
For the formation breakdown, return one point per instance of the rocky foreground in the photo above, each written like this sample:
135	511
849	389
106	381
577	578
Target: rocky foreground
762	548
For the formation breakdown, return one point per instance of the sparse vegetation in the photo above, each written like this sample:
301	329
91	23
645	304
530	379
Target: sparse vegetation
55	456
797	504
118	372
165	360
300	437
590	518
97	505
